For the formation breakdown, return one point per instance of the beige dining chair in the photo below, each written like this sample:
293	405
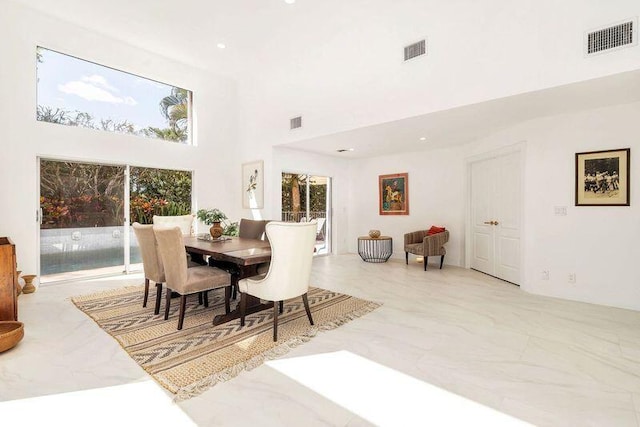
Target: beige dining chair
288	276
151	261
183	280
252	228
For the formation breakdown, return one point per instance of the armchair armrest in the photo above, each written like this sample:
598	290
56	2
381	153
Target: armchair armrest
415	237
433	244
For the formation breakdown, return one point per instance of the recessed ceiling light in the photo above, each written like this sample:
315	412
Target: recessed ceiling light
289	1
423	138
221	45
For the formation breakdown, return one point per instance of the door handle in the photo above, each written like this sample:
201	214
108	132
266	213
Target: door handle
491	222
495	222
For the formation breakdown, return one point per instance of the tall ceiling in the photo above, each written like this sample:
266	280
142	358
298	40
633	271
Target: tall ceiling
261	34
189	30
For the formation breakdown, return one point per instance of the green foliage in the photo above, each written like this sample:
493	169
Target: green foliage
90	195
231	229
209	216
174	107
317	194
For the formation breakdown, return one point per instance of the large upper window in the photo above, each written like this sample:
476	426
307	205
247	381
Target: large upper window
75	92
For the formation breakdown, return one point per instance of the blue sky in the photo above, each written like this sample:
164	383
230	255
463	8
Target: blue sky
72	84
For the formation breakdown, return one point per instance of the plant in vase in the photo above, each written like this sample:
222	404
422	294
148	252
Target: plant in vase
216	218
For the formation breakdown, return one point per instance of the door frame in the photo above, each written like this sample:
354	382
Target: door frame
329	212
520	149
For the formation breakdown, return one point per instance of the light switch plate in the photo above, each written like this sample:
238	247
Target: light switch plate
560	210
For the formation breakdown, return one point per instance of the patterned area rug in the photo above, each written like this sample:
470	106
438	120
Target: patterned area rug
189	361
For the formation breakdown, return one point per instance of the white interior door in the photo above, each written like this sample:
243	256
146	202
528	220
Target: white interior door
496	216
482	229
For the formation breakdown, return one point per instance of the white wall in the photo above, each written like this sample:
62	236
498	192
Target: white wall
217	181
436	189
286	160
343	72
598	244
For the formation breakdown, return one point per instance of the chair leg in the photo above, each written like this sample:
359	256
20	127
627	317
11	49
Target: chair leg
146	292
156	310
305	300
227	297
167	304
281	303
406	258
441	261
183	306
235	292
206	298
425	262
275	321
243	307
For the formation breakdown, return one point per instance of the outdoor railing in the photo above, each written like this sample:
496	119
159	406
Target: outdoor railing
289	216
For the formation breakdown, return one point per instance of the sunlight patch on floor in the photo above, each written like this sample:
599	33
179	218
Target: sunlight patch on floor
141	404
384	396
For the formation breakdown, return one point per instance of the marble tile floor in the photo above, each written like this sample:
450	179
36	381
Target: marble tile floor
540	360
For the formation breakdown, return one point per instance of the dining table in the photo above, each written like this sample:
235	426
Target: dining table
243	253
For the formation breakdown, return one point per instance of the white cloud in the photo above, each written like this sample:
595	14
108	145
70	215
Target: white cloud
88	89
97	80
130	101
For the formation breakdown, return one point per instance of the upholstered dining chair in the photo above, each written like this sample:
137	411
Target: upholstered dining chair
185	222
252	228
424	244
183	280
292	245
151	261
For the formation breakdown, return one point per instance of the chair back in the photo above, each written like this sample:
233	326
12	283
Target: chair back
291	258
174	256
151	260
252	229
185	222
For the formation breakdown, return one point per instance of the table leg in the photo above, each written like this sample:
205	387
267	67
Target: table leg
253	304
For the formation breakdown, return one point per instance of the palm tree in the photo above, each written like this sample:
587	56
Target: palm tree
168	134
175	108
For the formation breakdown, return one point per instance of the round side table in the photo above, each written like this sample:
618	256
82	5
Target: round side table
375	250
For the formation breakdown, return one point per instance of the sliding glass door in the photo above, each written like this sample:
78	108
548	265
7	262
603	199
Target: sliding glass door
305	198
86	210
82	217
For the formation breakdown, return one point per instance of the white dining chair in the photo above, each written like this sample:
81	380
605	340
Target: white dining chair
292	246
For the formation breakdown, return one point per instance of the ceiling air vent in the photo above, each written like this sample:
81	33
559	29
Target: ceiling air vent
616	36
296	122
415	50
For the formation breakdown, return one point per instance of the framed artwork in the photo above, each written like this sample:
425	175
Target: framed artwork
602	178
253	185
393	191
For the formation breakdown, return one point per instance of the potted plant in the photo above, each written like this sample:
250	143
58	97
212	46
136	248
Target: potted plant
215	217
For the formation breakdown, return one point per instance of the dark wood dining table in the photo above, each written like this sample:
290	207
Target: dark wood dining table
244	253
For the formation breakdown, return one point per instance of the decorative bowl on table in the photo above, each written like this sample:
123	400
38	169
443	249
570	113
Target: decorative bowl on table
11	332
374	234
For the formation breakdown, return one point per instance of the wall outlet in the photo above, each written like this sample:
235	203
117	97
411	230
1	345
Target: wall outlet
572	278
544	275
